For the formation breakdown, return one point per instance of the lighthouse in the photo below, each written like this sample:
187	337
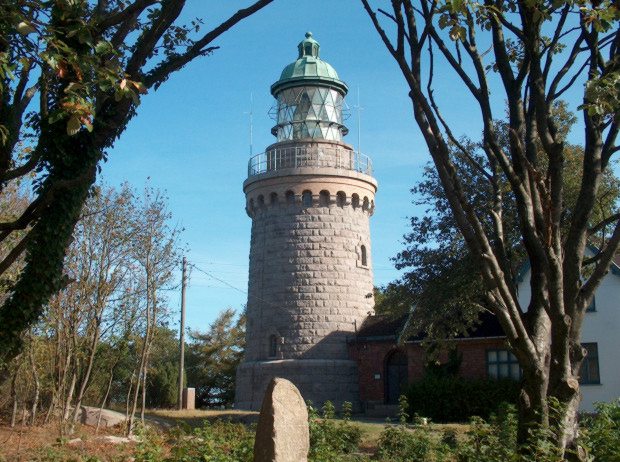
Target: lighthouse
310	196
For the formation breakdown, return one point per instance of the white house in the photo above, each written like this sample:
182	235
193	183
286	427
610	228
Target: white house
600	378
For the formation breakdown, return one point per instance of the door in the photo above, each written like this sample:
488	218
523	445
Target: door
396	376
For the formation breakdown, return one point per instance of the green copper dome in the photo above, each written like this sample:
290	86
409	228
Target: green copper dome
309	69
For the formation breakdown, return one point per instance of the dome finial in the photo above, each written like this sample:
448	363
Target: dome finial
308	47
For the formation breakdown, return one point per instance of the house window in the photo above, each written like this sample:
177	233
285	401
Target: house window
273	346
589	373
364	256
592	306
502	364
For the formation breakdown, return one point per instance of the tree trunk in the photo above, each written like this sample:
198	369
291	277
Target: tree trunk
86	377
37	386
105	398
14	395
542	415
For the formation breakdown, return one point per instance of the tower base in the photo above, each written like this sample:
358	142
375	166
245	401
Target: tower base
318	380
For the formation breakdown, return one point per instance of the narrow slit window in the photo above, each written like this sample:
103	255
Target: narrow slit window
306	199
290	197
324	198
341	198
364	256
273	346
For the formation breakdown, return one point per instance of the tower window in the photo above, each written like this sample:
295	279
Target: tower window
341	198
324	198
273	198
366	205
290	197
273	346
306	199
364	256
261	201
251	205
355	201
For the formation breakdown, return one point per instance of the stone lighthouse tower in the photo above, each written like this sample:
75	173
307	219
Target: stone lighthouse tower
310	197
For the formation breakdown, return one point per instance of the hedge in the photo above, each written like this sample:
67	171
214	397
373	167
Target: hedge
454	399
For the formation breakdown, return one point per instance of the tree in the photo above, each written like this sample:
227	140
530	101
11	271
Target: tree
213	357
442	280
85	63
95	343
532	71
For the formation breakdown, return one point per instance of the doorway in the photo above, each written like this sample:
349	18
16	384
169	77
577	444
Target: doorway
396	376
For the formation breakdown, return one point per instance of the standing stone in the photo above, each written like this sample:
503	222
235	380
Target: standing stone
282	434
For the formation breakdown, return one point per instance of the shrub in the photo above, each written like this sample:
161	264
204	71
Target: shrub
398	443
493	441
330	440
602	432
454	399
221	441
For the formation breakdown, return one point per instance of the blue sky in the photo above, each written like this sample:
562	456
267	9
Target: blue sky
191	137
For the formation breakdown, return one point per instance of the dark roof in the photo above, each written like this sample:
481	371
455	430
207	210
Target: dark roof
382	327
389	328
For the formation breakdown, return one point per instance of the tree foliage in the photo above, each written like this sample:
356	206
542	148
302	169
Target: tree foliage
213	358
442	280
72	73
531	52
104	338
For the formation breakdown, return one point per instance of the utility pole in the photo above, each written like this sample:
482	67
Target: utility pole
182	334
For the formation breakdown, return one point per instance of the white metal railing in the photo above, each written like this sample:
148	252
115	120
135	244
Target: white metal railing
315	156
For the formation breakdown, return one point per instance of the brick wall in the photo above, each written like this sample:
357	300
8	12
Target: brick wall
371	358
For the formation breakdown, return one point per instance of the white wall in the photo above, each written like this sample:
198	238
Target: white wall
601	327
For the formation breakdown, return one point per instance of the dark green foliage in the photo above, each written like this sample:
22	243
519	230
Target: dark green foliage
163	375
602	432
220	441
454	399
330	439
399	443
212	359
493	441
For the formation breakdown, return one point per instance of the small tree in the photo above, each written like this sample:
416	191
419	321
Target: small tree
213	358
538	51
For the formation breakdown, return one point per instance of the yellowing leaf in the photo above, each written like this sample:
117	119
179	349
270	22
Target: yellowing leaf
73	125
25	28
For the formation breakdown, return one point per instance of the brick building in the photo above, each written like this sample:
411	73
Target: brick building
387	362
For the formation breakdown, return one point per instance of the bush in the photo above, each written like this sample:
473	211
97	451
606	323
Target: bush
454	399
398	443
602	432
220	441
331	440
